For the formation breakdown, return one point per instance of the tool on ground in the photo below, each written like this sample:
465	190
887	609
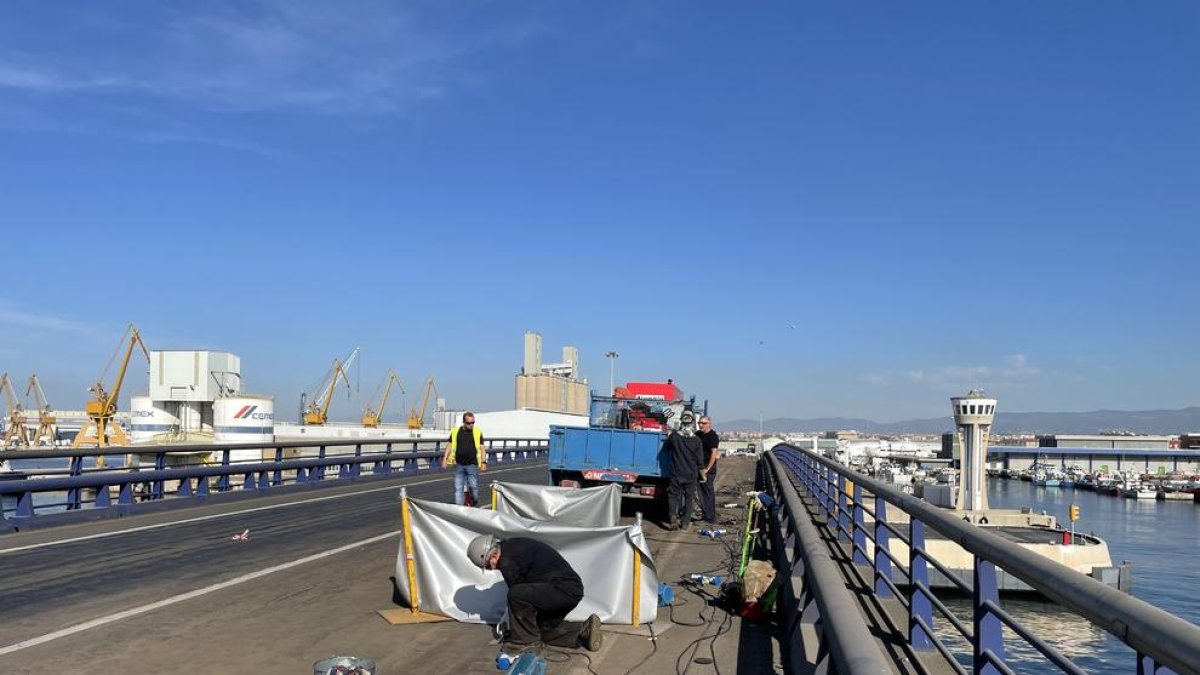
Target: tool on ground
715	534
703	579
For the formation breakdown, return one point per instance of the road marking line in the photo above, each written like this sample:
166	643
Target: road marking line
175	599
215	516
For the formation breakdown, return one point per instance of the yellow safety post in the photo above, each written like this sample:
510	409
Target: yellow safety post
637	585
410	561
493	497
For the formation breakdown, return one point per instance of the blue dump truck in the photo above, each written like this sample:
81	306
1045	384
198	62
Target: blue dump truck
623	442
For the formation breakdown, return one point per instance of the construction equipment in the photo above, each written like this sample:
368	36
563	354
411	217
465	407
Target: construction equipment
102	429
372	417
317	412
16	434
416	417
46	432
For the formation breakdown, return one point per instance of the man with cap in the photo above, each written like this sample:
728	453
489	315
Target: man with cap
542	589
687	456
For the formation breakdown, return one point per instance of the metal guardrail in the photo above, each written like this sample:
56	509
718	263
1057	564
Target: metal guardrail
1163	642
822	626
197	481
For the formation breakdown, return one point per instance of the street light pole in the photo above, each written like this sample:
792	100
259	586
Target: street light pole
612	359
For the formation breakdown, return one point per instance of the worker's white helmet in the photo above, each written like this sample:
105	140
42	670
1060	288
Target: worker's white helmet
480	548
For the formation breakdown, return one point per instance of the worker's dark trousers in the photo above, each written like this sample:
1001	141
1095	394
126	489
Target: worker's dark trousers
537	612
708	496
680	496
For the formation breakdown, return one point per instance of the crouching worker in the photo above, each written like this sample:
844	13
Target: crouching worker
542	590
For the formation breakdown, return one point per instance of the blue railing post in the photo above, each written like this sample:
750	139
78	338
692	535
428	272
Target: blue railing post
319	471
989	629
277	479
823	491
843	518
125	499
223	481
920	609
883	564
75	495
24	505
156	486
860	531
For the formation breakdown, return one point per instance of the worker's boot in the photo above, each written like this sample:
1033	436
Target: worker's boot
590	638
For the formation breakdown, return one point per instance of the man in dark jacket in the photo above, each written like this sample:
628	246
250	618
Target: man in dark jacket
542	589
687	456
708	489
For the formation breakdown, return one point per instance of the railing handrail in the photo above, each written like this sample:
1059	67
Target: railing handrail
142	475
846	634
64	453
190	480
1172	641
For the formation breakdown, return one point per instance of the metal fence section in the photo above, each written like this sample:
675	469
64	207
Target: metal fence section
172	478
1163	643
821	624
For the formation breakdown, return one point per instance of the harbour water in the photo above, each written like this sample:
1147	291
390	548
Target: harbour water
1160	539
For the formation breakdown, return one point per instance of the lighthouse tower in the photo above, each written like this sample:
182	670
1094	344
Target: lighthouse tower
973	415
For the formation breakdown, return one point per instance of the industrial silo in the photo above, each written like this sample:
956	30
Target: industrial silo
244	419
150	421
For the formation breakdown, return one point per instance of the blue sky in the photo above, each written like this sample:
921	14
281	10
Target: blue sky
803	209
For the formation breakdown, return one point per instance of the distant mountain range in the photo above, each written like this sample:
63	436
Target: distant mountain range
1140	421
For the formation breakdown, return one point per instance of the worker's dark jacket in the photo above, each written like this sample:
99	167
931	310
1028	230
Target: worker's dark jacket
524	561
687	456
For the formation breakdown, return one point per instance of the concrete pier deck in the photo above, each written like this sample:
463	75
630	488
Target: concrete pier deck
173	592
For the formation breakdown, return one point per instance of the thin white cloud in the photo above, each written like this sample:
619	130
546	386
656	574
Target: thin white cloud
877	380
11	318
364	58
1017	366
1014	368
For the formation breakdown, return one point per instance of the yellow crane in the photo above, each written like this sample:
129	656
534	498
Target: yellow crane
102	429
416	417
16	435
371	418
317	412
45	433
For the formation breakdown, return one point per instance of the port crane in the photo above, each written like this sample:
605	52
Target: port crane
45	433
102	429
372	417
416	417
317	412
16	435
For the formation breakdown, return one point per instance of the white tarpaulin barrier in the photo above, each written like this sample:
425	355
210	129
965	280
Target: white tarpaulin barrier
611	561
590	507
